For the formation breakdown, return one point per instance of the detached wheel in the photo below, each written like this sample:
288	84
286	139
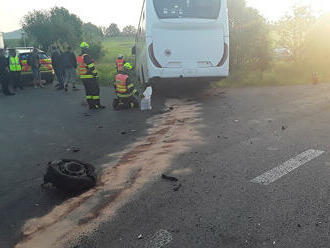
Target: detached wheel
71	175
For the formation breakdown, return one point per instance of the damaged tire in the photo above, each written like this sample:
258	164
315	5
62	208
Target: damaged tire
71	175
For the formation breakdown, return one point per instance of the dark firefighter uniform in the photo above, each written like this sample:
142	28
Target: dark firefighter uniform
125	91
88	75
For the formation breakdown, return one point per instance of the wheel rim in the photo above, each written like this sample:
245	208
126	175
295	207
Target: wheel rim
73	169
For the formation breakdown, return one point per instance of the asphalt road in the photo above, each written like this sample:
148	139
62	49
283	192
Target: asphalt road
218	141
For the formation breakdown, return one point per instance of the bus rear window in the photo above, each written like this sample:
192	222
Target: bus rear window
202	9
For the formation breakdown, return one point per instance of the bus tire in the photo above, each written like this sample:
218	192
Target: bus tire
71	175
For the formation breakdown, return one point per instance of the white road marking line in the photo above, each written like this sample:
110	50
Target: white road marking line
290	165
160	239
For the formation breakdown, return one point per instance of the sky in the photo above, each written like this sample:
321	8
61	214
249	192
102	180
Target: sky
104	12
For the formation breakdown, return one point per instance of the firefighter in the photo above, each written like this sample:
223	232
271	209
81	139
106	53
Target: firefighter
120	63
88	75
15	69
125	90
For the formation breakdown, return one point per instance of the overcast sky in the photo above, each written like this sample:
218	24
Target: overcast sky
104	12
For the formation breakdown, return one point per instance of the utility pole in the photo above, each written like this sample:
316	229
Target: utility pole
23	34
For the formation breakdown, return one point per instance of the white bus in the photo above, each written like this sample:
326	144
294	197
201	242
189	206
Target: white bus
182	39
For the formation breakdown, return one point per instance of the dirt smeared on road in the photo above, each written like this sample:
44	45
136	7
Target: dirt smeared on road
172	133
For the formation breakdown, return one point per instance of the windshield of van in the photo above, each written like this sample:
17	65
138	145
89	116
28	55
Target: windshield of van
203	9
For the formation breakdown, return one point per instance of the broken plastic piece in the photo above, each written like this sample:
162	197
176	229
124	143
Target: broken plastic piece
173	179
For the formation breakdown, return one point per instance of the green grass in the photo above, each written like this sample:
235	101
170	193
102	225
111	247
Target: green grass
281	73
112	47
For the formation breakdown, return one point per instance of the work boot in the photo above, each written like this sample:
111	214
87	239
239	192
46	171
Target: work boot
99	107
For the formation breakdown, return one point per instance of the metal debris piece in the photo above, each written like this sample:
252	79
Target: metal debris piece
176	188
73	149
172	179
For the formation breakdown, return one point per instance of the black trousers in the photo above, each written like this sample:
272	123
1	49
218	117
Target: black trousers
59	72
92	90
15	78
4	81
122	103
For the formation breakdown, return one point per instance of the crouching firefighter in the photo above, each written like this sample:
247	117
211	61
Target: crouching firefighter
88	75
125	90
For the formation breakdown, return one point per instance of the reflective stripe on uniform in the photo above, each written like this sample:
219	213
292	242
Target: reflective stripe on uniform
123	95
89	97
86	76
95	97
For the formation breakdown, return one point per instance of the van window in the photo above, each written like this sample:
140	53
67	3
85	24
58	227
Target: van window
203	9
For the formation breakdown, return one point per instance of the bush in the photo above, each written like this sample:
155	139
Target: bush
96	50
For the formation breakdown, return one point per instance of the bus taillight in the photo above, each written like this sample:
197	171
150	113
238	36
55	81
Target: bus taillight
152	56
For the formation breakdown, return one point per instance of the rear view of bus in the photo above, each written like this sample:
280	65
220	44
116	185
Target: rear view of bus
186	39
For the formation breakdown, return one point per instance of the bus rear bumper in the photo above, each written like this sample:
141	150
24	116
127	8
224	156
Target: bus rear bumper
207	73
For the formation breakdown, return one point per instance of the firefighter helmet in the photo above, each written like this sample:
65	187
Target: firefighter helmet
84	45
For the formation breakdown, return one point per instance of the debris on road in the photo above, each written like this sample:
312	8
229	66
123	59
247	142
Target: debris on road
99	126
128	132
86	114
176	188
284	128
73	149
167	110
70	175
172	179
140	236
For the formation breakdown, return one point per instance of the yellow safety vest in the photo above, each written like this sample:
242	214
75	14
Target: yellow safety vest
14	64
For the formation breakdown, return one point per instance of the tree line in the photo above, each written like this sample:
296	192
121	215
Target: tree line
302	36
58	26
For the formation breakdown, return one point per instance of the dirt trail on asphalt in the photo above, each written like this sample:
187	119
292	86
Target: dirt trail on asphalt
172	132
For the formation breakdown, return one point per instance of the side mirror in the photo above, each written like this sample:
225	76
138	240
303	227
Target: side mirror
134	50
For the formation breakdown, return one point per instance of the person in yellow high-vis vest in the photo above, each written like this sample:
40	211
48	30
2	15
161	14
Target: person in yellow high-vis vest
15	69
